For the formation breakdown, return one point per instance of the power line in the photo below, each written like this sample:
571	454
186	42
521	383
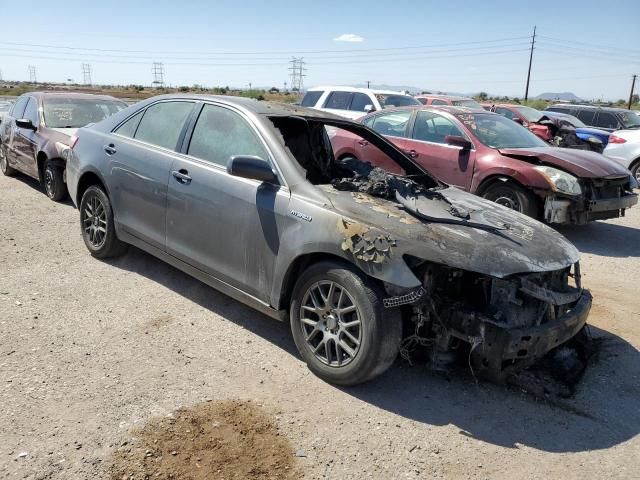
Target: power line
86	73
601	47
272	52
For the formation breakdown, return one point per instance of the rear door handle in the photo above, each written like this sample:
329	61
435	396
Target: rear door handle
182	176
411	153
110	149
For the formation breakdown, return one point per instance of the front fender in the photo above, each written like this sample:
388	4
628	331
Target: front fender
526	175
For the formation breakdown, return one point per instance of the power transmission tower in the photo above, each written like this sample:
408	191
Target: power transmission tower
158	74
297	74
533	42
86	73
32	74
633	85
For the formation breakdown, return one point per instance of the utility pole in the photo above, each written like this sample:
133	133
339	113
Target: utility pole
533	42
158	74
32	74
368	83
633	85
86	73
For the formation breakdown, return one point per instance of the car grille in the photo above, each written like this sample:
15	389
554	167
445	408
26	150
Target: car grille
609	187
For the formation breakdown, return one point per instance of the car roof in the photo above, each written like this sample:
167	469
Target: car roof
447	97
453	110
355	89
46	94
259	107
590	107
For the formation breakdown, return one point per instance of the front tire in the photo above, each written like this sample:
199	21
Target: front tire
54	185
4	164
96	222
635	170
340	326
513	196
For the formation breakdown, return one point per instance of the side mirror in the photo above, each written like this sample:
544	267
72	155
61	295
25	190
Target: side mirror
369	108
458	141
256	168
25	123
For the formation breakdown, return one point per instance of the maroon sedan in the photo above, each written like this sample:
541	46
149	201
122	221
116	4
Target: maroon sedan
489	155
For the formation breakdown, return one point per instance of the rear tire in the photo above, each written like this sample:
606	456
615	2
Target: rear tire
4	164
54	185
97	226
513	196
347	336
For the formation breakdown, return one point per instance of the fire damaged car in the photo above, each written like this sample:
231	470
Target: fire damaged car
363	261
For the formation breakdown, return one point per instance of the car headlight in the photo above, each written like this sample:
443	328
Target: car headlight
560	181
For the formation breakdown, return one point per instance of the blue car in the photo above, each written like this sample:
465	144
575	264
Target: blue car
582	131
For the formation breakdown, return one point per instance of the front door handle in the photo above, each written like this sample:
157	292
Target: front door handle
110	149
182	176
411	153
363	143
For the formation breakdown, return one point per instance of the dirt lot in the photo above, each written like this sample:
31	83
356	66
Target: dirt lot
102	363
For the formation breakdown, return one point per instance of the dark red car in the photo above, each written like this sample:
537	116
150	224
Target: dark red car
489	155
525	116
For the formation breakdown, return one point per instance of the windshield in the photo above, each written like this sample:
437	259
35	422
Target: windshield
630	119
469	103
531	114
391	100
496	131
76	113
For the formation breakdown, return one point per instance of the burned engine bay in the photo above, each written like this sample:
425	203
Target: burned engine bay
494	326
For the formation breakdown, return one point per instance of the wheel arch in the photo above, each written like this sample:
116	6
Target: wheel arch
86	180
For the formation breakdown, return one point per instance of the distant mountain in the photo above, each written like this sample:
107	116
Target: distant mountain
397	88
566	96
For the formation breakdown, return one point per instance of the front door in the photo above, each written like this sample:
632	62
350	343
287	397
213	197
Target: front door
25	141
449	163
224	225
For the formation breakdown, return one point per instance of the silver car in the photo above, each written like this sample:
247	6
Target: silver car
248	197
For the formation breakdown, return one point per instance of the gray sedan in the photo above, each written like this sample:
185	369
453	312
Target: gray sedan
248	197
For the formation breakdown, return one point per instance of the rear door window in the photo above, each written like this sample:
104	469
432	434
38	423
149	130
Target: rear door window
505	112
436	101
393	124
587	116
558	109
338	100
360	101
311	98
221	133
606	120
162	123
128	128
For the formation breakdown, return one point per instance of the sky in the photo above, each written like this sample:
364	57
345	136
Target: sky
586	47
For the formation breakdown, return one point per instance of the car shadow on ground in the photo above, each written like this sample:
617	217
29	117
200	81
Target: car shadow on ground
607	239
35	184
603	413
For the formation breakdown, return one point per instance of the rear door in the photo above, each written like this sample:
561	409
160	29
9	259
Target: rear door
449	163
140	154
224	225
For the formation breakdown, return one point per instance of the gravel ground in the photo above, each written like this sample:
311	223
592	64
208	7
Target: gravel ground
91	351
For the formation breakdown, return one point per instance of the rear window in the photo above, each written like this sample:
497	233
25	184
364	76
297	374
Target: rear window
311	98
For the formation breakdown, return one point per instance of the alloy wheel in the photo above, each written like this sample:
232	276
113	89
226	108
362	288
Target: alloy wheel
331	323
94	222
509	200
49	184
